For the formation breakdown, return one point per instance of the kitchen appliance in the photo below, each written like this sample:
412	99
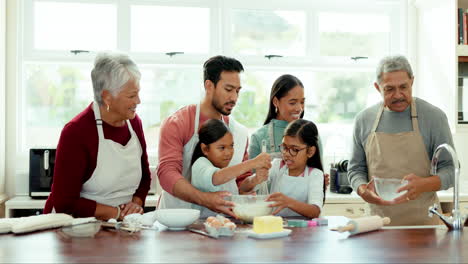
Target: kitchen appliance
41	170
339	178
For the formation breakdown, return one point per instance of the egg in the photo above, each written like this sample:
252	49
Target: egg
230	225
216	223
210	219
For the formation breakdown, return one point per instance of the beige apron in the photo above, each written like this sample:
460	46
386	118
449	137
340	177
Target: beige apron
395	156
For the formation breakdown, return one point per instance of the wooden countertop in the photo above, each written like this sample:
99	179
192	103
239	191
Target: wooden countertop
312	244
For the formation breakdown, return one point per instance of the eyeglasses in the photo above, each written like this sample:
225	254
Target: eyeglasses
292	150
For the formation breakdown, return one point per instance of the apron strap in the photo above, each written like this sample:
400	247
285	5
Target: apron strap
377	119
197	119
414	116
97	117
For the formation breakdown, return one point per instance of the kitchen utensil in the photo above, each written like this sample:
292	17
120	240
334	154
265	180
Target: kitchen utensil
177	219
120	226
41	222
202	233
339	182
246	207
387	188
41	170
263	188
87	228
364	224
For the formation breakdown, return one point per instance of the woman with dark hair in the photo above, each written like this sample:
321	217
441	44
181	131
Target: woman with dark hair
296	181
212	170
286	105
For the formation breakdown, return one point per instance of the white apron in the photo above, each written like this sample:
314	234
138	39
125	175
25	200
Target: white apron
240	136
262	188
291	187
118	168
230	186
395	156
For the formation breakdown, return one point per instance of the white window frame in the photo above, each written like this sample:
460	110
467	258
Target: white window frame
219	41
312	57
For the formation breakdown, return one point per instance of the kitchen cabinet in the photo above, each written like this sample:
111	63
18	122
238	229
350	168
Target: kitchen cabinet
353	206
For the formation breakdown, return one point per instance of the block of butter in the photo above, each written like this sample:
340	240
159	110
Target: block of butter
267	224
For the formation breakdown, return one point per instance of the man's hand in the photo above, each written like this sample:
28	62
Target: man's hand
130	208
367	192
215	202
280	200
417	185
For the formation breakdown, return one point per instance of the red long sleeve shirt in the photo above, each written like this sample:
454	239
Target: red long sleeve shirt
176	131
75	161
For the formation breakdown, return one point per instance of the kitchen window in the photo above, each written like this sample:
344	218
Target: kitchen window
345	34
170	29
332	46
259	32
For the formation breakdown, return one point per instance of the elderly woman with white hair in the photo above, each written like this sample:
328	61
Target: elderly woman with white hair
101	165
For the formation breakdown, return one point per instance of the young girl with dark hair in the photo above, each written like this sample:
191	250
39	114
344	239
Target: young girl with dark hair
211	158
296	181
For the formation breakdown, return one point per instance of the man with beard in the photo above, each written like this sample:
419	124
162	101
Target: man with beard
179	136
396	139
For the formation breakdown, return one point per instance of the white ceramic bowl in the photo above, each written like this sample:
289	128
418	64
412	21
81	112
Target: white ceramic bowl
249	206
386	187
176	219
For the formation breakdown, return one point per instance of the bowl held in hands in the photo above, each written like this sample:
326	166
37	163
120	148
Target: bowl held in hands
387	188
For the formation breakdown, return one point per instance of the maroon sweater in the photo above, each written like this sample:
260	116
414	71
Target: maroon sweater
75	161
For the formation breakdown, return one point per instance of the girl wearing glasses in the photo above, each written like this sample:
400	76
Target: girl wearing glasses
296	181
210	160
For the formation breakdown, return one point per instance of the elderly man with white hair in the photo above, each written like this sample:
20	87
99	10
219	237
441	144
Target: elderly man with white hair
396	139
101	165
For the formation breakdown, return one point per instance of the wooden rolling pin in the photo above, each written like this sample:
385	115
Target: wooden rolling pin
364	224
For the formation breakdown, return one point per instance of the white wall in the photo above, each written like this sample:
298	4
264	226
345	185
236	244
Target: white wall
11	88
2	93
435	65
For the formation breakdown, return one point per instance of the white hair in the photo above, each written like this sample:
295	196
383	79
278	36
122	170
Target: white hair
392	64
111	72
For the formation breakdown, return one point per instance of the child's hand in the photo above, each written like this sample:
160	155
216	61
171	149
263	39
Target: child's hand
261	175
326	178
280	200
262	161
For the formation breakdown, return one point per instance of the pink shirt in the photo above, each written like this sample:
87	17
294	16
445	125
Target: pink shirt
175	132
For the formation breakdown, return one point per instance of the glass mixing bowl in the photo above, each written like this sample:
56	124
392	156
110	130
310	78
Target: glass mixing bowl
387	188
246	207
